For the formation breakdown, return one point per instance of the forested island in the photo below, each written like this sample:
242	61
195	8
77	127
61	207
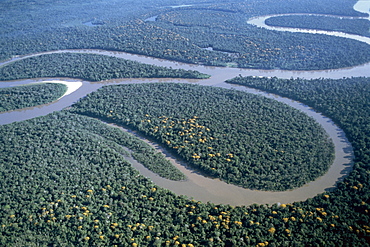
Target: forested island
65	179
31	95
89	67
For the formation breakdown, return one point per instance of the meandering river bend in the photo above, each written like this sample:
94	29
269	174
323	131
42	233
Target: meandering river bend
197	186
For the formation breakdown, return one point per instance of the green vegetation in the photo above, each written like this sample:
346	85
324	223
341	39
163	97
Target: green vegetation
141	151
31	95
88	67
353	26
63	177
233	40
346	101
56	190
244	139
182	33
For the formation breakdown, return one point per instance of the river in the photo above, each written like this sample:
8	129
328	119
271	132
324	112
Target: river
197	186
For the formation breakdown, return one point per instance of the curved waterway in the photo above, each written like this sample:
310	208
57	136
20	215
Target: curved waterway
362	6
260	22
197	186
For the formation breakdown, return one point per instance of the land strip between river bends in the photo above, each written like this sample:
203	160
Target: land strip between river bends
260	22
360	6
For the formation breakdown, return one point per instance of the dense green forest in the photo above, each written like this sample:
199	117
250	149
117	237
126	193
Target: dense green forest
54	192
90	67
140	151
243	45
243	139
346	101
353	26
182	33
64	177
351	110
30	95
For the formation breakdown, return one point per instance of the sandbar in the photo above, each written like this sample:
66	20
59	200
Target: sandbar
71	86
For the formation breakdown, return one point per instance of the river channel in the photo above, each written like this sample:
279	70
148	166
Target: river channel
197	186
